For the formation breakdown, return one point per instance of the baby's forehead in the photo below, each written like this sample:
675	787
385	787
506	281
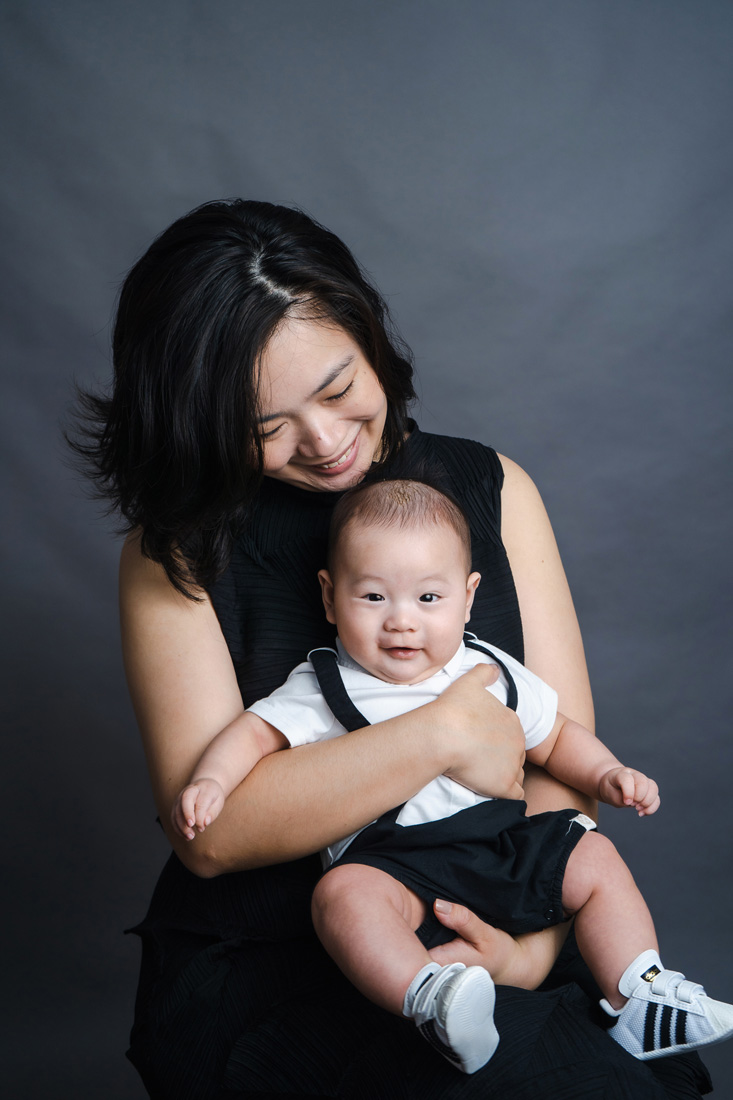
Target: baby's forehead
373	549
357	525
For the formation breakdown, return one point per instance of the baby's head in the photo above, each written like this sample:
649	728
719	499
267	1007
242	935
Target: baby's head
399	585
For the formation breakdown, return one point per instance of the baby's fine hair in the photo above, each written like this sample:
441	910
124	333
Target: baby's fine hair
397	502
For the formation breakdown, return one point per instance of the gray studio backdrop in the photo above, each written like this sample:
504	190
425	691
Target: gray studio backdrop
542	189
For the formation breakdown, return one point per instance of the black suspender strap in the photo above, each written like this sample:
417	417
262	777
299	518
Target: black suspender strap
511	687
333	690
325	666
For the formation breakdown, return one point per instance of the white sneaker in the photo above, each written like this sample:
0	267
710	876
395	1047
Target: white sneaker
453	1008
665	1013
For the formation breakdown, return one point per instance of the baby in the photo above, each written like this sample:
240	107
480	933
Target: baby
399	587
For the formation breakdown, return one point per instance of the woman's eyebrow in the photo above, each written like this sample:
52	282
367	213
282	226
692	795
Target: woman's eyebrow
330	377
333	375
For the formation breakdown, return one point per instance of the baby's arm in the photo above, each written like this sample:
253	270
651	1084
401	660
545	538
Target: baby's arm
228	759
572	754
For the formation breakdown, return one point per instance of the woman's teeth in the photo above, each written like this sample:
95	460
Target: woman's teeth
339	461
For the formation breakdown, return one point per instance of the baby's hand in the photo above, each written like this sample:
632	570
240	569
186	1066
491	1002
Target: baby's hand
197	806
626	787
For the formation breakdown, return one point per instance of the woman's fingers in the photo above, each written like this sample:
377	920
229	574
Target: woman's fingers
524	961
468	928
487	738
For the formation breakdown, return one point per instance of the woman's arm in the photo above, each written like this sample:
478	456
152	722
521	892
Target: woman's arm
227	760
552	642
184	690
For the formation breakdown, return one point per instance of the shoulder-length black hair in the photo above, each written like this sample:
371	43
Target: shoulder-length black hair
175	448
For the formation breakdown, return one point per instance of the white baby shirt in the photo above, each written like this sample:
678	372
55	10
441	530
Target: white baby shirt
297	708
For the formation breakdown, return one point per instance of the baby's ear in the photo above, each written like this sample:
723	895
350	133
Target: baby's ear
327	592
471	585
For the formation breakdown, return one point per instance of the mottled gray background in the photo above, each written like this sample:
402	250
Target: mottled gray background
542	189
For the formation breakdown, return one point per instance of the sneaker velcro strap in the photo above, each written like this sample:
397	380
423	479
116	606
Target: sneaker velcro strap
687	991
665	980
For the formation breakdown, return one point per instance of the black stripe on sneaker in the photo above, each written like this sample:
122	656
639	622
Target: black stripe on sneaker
665	1028
426	979
680	1031
427	1030
649	1027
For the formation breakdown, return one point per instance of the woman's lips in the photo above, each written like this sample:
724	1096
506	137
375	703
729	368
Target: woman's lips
343	462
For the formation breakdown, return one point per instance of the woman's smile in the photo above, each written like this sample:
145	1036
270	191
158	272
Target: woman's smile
343	461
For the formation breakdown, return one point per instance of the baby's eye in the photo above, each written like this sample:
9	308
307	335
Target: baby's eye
374	597
429	597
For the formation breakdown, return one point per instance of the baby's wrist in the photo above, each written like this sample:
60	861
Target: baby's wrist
201	779
604	779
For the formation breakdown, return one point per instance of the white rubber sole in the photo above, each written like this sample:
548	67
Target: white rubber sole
468	1018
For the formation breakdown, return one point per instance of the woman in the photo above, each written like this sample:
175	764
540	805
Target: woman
255	379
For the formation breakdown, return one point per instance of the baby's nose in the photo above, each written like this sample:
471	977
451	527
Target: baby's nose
398	620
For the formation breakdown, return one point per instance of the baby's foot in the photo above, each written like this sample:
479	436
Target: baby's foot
665	1013
453	1008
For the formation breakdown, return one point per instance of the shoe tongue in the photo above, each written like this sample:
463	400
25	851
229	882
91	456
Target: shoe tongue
644	968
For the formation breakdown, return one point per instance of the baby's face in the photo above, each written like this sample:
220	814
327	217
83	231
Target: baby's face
400	598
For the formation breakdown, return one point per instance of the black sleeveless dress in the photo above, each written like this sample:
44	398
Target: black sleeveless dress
236	996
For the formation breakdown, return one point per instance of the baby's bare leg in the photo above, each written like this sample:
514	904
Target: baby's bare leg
366	920
612	922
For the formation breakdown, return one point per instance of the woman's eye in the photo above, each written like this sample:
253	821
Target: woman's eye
429	597
272	432
373	597
340	396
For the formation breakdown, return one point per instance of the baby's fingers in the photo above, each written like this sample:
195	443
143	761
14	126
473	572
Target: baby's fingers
625	781
189	804
183	819
205	804
648	802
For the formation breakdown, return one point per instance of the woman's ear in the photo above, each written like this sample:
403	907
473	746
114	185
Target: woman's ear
327	592
471	585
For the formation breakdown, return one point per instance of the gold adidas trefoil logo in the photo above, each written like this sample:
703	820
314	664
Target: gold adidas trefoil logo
650	974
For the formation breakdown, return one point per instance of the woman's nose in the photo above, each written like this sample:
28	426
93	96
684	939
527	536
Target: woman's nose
318	436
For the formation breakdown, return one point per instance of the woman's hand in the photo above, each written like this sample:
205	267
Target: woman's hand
524	961
483	736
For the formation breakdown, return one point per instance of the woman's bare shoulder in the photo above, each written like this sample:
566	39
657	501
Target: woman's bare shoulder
144	582
516	478
553	645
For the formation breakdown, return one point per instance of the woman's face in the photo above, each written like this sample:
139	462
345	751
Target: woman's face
322	407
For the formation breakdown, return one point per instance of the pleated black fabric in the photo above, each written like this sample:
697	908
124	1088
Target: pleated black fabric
269	600
236	996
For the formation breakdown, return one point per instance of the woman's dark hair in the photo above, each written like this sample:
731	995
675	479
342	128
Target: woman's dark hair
176	448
